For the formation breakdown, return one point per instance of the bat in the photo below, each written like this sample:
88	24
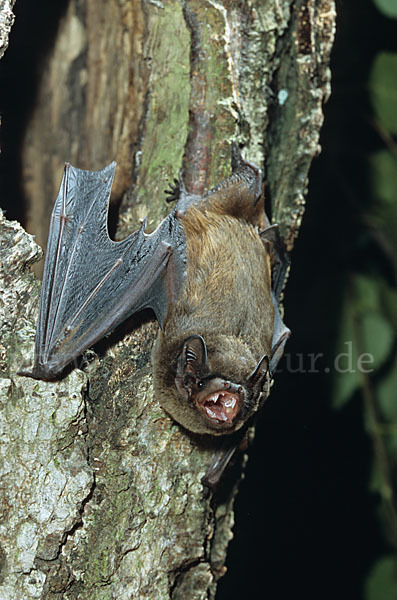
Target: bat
212	272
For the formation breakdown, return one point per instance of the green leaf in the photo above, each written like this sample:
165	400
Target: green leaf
383	216
365	338
383	90
387	7
382	580
377	341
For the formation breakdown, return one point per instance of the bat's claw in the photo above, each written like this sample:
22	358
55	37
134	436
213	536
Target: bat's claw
177	189
174	192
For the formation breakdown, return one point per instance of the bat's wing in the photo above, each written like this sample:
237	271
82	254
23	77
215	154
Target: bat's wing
91	283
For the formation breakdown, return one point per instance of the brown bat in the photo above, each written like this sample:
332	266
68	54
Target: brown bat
212	272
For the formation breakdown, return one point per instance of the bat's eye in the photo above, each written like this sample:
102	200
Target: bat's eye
200	385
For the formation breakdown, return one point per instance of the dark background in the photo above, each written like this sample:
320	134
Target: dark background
307	522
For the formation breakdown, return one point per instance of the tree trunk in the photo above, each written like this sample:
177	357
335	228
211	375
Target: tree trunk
101	491
6	21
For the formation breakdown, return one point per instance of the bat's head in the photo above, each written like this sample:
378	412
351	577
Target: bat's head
221	405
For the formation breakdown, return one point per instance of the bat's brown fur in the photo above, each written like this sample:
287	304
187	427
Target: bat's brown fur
226	299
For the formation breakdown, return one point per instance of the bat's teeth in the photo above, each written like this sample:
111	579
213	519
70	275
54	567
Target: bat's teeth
221	407
230	402
214	398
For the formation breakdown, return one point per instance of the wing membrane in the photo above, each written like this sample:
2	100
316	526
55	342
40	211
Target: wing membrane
91	283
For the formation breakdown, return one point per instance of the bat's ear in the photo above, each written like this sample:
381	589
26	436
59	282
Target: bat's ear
194	357
192	364
259	375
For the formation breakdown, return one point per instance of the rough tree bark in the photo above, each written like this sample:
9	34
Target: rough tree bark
101	493
6	21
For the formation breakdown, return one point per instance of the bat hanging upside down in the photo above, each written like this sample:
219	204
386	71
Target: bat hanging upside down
212	271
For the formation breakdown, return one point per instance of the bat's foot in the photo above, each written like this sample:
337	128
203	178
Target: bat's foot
177	189
174	192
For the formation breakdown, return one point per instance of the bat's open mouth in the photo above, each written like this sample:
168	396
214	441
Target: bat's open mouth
221	406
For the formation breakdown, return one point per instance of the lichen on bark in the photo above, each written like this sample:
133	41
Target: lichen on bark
6	21
44	473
